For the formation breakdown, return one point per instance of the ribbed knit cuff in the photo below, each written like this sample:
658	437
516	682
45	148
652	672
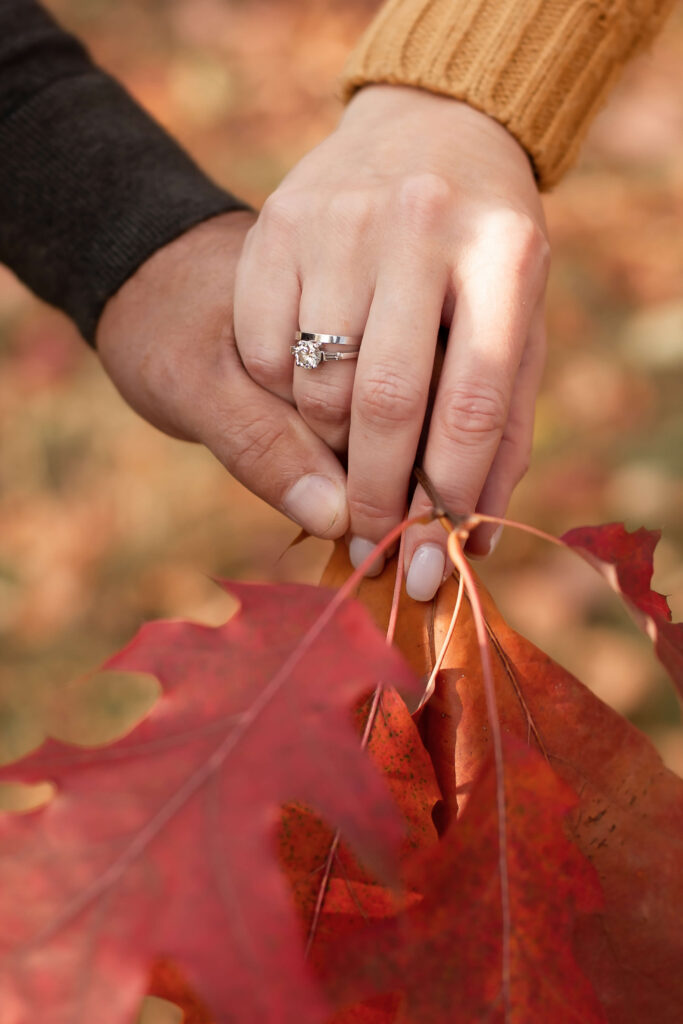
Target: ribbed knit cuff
542	68
90	186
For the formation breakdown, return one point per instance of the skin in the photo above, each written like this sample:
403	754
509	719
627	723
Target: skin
417	211
166	339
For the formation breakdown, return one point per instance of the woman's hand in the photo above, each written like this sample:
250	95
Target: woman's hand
166	340
418	210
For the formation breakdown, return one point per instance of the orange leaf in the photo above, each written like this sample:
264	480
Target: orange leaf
629	817
305	841
441	958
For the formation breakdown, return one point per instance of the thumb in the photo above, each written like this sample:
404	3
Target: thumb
263	442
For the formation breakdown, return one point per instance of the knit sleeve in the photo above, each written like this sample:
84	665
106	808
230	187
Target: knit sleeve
90	185
542	68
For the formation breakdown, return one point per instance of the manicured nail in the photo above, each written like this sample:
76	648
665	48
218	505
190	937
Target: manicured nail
359	549
315	502
426	572
494	539
493	544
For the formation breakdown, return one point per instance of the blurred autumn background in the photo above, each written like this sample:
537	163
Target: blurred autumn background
105	523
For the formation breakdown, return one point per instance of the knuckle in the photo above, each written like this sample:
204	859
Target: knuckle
523	466
350	211
423	198
155	375
283	210
261	369
528	247
473	413
257	441
517	458
316	406
389	399
367	509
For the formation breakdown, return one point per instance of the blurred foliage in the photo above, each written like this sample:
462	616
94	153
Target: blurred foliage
104	522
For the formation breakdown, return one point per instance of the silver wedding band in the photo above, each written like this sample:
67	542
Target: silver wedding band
312	349
328	339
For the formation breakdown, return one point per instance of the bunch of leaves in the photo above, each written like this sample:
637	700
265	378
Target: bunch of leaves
280	839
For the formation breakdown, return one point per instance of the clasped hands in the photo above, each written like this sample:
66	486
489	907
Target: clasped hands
418	211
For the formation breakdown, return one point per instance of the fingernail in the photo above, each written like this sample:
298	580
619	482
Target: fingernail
315	502
359	549
426	572
493	544
494	539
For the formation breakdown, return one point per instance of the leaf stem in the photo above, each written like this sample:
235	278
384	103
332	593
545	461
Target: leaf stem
396	597
431	682
455	551
479	517
370	721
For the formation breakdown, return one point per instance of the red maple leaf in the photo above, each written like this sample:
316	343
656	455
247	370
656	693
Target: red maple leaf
442	957
163	844
625	560
628	820
104	860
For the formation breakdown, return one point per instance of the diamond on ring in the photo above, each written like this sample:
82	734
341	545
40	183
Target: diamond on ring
307	354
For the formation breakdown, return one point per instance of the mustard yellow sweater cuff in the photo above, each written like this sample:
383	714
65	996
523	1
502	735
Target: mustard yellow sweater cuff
542	68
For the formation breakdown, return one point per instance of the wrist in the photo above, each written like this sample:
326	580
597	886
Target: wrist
449	124
207	248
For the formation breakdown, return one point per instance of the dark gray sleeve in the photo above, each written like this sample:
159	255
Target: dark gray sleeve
90	185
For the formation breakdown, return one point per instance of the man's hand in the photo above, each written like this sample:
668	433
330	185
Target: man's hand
418	210
166	340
